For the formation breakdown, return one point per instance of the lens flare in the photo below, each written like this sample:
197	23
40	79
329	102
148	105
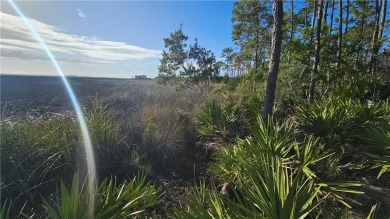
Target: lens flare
80	116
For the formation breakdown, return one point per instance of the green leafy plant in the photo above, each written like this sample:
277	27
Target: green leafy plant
332	121
271	177
374	88
111	200
219	121
377	142
202	202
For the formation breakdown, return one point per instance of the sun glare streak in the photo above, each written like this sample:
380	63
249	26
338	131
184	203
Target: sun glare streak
82	122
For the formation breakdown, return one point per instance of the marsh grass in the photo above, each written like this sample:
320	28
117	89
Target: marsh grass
37	153
133	125
163	136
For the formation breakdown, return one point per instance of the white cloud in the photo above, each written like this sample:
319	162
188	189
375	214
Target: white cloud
17	42
81	14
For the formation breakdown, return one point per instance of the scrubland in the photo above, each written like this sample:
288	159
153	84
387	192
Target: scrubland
163	153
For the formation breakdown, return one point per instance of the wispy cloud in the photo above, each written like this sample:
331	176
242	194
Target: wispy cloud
81	13
17	42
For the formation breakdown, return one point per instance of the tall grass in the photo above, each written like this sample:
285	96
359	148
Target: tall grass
133	126
37	154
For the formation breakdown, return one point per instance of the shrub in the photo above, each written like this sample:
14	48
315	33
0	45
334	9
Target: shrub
202	202
219	121
377	147
252	107
330	120
110	200
271	176
337	122
365	88
339	125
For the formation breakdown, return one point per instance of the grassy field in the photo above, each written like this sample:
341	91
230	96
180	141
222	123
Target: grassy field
178	154
135	125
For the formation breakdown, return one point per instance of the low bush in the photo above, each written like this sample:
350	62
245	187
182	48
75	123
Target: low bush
377	146
109	200
373	88
271	176
337	122
339	125
220	122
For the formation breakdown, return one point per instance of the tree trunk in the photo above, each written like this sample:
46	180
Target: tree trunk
331	18
292	28
325	12
306	14
314	14
314	19
256	52
340	38
314	72
383	18
274	59
347	18
381	24
359	60
375	36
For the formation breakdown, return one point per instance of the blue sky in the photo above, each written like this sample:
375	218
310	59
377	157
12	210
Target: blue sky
109	39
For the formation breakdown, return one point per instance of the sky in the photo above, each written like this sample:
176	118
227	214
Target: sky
117	39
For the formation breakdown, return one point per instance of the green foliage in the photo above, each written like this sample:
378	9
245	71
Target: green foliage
203	202
184	68
330	120
239	162
271	176
353	132
377	142
5	210
251	30
37	153
110	200
219	121
337	121
34	153
233	82
252	107
373	88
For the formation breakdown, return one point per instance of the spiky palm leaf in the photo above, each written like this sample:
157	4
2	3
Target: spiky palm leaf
378	147
273	180
202	203
110	201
